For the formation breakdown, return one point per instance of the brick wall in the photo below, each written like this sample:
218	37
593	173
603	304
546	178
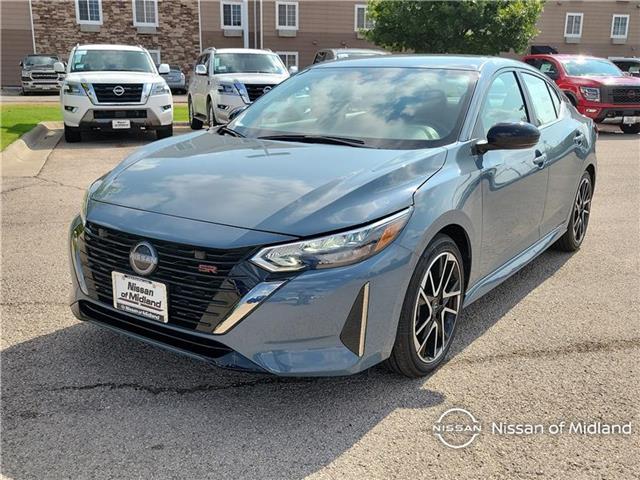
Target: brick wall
177	35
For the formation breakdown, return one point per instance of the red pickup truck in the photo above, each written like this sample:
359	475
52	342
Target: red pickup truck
595	86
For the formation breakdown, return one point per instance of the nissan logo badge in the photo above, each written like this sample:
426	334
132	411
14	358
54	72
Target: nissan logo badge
266	89
143	258
118	90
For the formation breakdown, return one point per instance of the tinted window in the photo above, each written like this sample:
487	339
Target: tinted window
384	107
504	103
543	106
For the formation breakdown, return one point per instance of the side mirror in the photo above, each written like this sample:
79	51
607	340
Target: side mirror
236	111
509	136
293	70
58	67
163	69
21	64
201	69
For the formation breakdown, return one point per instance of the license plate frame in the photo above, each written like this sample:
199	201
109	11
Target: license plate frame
140	296
120	124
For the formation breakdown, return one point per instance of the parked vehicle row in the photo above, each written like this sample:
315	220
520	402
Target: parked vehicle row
344	219
38	74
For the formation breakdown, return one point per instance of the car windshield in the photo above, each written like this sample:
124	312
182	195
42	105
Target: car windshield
398	108
247	63
590	67
40	61
112	61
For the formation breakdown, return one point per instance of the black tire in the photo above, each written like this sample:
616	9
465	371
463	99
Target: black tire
574	236
630	129
72	134
211	115
194	123
164	132
405	358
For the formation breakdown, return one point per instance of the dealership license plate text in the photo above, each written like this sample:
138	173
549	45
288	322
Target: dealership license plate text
140	296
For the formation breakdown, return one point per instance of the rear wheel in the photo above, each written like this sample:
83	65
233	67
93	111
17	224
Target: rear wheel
580	213
634	128
71	134
430	311
164	132
194	123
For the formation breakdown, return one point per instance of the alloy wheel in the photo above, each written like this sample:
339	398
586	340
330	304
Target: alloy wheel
582	210
437	306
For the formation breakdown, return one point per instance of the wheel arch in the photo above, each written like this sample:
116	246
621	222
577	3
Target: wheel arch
571	96
591	170
459	235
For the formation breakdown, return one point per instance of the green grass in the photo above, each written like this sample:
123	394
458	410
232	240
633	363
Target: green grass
16	120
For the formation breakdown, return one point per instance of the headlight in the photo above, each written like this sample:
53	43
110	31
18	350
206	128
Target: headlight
160	88
333	250
85	200
590	93
228	89
73	88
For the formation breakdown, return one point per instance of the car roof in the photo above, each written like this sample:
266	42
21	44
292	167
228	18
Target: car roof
42	55
238	50
561	56
109	46
458	62
357	50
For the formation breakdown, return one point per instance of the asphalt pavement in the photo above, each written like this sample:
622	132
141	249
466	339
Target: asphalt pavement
559	341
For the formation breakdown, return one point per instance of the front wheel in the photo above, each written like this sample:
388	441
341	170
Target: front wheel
633	128
194	123
164	132
430	310
72	134
580	213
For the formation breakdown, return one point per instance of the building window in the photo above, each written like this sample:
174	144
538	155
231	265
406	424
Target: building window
362	20
89	12
155	55
290	59
145	13
573	25
287	15
619	26
231	15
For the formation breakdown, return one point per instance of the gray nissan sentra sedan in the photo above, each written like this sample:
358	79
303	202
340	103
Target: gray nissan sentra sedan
342	220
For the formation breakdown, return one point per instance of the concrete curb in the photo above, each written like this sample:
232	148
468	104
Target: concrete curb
26	156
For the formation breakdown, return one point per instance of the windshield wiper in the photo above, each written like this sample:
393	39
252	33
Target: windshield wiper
224	129
352	142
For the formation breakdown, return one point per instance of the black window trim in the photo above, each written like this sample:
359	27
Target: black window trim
531	107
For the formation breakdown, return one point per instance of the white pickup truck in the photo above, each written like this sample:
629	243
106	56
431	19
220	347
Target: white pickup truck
114	87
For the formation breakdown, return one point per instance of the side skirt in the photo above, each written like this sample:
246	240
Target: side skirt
494	279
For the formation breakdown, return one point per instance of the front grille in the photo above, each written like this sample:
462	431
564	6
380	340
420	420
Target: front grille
256	91
625	95
51	76
132	92
199	345
196	300
109	114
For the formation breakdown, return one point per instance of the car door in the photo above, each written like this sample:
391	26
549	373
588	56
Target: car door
514	182
561	138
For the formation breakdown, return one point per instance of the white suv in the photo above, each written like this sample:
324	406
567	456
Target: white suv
228	79
114	87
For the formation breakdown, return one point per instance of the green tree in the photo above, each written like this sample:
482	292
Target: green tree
482	27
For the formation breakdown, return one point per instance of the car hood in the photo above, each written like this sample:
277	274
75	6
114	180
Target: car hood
624	81
114	77
280	187
253	78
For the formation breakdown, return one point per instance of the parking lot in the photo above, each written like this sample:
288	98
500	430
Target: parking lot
560	341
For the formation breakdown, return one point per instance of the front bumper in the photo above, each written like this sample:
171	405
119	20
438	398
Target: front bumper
41	86
608	113
297	331
79	111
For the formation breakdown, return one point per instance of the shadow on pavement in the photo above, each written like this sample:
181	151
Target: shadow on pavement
85	402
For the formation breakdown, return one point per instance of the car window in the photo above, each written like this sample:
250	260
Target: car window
543	106
555	98
247	63
503	103
319	57
111	60
548	67
383	107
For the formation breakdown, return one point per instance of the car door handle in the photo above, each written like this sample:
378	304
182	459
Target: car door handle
541	159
